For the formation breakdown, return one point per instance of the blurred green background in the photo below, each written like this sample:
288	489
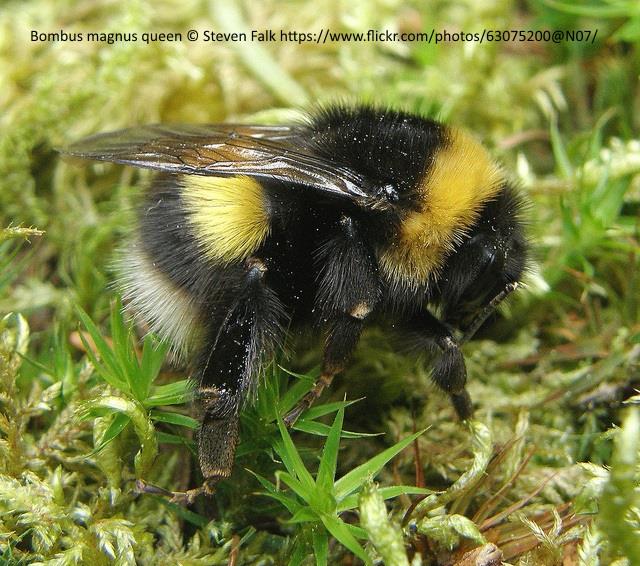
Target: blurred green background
548	470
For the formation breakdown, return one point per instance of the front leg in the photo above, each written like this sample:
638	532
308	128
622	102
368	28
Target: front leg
484	313
449	371
348	290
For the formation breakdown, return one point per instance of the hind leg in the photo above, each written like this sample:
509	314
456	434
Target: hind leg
248	335
239	340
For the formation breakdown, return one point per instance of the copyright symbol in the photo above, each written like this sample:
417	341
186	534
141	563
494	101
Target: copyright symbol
192	35
556	37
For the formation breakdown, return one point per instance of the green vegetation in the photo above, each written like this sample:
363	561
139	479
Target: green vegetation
548	471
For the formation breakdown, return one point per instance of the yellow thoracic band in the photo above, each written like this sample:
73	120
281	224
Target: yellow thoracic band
460	179
229	215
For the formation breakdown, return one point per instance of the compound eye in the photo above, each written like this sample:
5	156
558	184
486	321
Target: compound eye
487	261
491	269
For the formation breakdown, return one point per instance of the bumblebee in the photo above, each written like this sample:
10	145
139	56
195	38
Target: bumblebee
357	214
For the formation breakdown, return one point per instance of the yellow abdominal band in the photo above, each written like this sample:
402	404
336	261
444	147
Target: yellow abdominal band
229	215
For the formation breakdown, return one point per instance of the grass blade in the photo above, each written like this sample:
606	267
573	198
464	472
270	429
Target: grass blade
291	458
296	485
272	491
321	410
344	536
296	392
118	424
175	393
320	542
110	371
329	458
175	418
321	429
358	476
351	501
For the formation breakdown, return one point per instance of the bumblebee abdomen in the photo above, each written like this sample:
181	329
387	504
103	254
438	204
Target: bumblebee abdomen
188	255
167	309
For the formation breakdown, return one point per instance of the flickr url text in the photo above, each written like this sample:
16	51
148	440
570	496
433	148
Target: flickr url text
322	36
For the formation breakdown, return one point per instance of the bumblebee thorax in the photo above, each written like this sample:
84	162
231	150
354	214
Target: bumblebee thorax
458	181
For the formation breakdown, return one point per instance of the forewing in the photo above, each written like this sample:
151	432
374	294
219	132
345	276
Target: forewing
272	152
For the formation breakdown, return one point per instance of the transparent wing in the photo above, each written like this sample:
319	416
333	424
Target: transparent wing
271	152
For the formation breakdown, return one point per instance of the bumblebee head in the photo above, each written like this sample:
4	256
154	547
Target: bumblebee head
493	255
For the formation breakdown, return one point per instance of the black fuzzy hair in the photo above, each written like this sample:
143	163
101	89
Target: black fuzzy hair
391	148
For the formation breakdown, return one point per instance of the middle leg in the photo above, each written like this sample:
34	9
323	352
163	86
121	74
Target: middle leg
348	290
341	342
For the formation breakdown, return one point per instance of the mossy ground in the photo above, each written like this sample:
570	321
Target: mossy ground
548	471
